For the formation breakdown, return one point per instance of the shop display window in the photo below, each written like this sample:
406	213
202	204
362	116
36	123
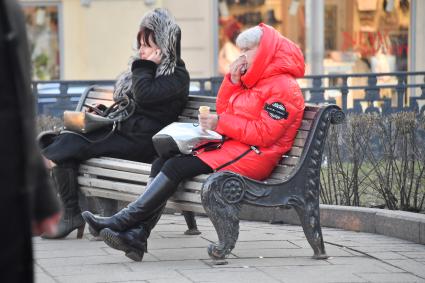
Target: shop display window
238	15
42	23
359	35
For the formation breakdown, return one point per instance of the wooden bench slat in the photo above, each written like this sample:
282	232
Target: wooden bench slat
296	151
306	125
192	197
309	115
122	196
95	192
118	164
299	142
313	108
191	185
290	160
111	185
115	174
185	206
302	134
283	169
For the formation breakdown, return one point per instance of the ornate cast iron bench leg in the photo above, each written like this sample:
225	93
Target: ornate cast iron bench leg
310	220
221	196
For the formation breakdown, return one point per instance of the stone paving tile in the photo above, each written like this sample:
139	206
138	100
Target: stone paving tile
85	260
180	254
267	236
169	265
274	261
148	257
183	242
103	269
68	253
84	243
392	248
390	277
220	275
267	253
175	280
410	265
420	255
118	277
364	264
43	278
317	274
331	250
265	245
387	255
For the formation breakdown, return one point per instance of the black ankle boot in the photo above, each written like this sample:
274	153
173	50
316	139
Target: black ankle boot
155	196
65	179
69	222
133	242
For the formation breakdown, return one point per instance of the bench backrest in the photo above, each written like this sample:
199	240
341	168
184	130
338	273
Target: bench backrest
95	95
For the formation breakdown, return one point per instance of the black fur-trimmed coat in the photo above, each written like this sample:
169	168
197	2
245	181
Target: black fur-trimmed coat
160	93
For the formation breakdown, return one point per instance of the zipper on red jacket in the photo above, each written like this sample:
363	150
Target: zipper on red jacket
255	149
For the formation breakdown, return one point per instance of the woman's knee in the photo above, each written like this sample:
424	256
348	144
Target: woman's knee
172	168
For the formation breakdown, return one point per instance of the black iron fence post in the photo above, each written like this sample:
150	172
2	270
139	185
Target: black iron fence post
317	92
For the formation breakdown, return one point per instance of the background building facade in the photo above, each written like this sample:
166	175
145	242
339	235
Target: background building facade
93	39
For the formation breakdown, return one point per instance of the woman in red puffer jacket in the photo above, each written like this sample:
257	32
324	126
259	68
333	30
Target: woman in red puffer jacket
259	110
262	108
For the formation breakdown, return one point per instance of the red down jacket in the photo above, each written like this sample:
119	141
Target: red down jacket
264	111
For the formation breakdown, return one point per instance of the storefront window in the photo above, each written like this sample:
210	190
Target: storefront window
372	37
42	27
237	15
359	35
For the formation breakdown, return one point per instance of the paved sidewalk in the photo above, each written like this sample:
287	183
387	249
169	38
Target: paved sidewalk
264	253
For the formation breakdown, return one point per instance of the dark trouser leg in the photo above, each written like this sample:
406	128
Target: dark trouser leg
65	179
189	216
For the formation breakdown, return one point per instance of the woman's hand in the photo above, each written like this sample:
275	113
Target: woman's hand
208	121
155	56
238	68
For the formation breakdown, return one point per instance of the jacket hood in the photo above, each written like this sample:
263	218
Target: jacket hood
275	55
167	34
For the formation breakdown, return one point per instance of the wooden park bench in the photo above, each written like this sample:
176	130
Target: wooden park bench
293	183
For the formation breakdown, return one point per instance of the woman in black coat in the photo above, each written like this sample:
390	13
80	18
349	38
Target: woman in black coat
159	83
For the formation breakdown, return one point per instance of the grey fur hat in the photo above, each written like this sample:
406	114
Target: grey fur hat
167	36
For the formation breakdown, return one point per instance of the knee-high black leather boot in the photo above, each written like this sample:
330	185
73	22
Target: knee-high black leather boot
132	241
155	196
65	179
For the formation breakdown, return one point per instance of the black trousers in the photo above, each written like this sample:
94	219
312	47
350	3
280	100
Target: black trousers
179	168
